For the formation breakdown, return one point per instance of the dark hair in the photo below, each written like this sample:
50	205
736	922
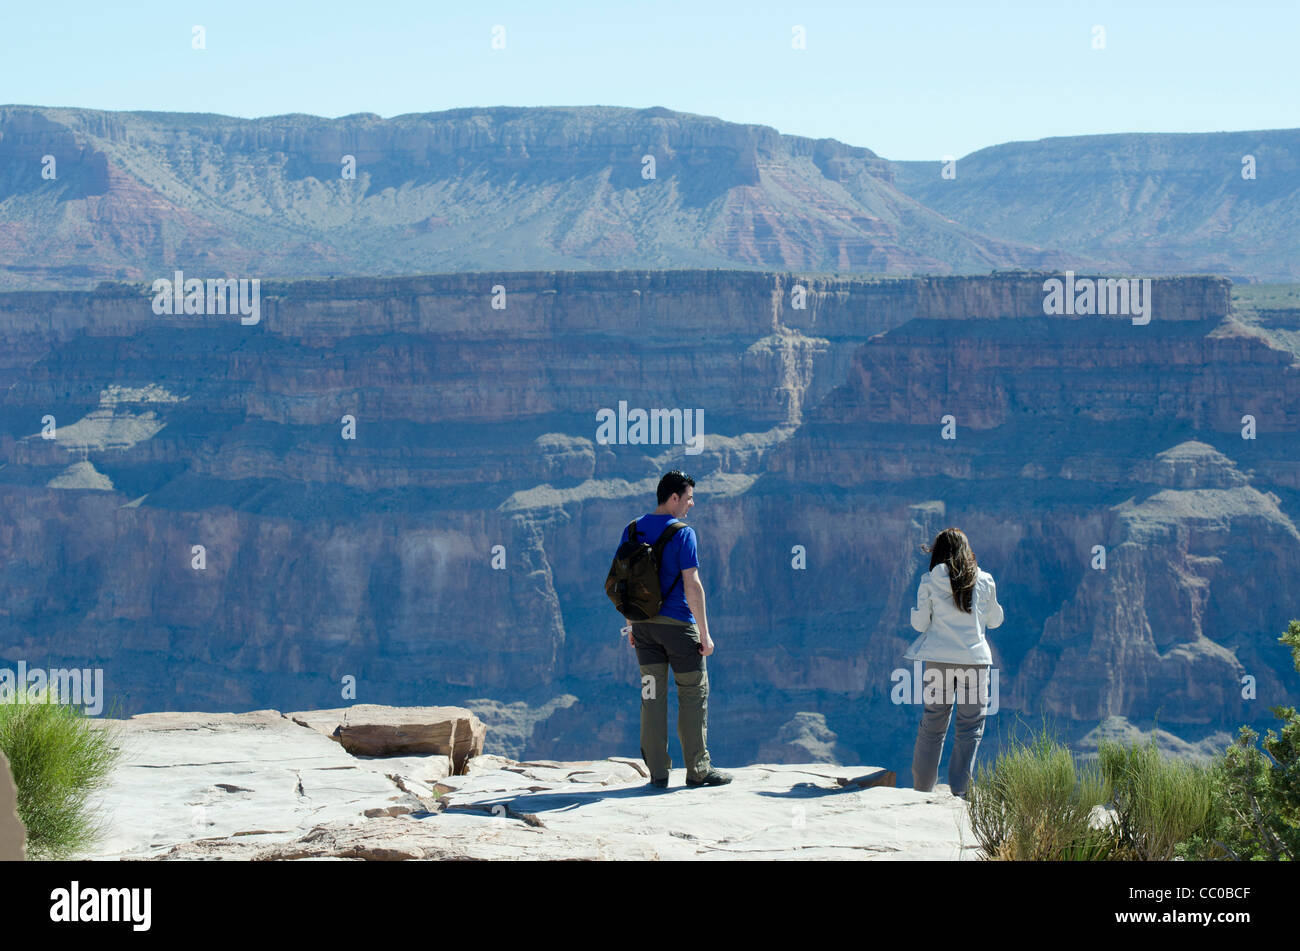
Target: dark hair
673	482
951	548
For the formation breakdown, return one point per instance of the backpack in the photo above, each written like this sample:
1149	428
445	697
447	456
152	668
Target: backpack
633	579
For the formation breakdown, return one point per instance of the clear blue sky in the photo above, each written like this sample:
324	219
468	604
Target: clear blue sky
910	80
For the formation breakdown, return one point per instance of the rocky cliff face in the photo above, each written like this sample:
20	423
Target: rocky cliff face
118	195
456	547
1169	202
94	195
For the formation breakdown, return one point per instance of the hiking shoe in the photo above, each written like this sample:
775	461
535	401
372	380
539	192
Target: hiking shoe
713	777
660	783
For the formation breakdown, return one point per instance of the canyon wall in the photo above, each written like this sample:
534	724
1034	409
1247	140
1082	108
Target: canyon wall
95	195
393	486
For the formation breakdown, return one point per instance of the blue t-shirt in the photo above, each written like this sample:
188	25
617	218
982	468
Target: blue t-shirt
679	554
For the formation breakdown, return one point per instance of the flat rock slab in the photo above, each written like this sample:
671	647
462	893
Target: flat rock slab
767	811
266	788
187	776
368	729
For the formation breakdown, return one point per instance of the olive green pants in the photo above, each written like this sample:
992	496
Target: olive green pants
664	642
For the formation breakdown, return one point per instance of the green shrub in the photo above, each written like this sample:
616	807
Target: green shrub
1158	803
1036	803
1256	794
59	758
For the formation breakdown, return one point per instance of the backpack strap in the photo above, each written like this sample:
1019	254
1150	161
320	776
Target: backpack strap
631	531
671	529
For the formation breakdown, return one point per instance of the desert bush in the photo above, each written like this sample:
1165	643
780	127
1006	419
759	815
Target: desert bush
59	759
1158	803
1037	803
1256	793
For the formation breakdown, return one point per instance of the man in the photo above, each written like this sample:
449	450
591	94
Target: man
672	638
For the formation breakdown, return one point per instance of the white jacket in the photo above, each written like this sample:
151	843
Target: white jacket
948	634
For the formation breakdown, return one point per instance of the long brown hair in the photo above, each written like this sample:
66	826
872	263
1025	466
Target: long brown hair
952	549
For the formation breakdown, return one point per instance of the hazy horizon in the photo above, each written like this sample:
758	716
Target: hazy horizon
909	85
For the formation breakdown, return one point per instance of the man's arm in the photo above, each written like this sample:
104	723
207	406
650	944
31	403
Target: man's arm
694	592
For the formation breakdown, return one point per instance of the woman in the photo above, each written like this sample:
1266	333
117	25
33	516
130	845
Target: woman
955	602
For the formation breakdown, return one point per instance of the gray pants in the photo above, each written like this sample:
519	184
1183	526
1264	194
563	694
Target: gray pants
660	642
934	727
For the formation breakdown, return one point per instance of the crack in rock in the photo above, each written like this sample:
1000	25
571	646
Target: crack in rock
826	845
527	818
